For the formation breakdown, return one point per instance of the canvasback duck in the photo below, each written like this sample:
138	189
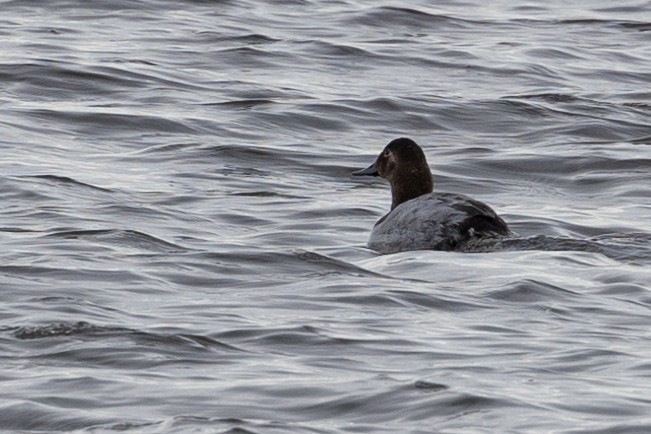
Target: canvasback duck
421	219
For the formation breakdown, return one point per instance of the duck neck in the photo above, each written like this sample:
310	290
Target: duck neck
411	185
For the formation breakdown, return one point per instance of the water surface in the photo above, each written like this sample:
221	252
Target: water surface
183	247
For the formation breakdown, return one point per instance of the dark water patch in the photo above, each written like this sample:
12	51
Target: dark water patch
621	76
626	9
638	105
59	329
529	291
380	301
26	416
134	61
599	119
559	167
21	190
608	130
467	402
272	163
223	39
237	219
387	17
548	97
128	213
97	276
167	150
68	182
182	341
326	49
300	122
634	246
199	276
131	427
553	53
313	339
47	80
492	117
253	172
265	194
591	22
429	387
244	104
387	405
399	114
246	90
584	360
69	307
604	409
17	230
81	342
312	218
242	154
323	263
123	238
642	140
457	57
269	265
644	367
253	56
324	260
194	157
626	247
383	104
109	123
499	330
435	302
346	291
539	71
640	27
597	108
124	354
510	108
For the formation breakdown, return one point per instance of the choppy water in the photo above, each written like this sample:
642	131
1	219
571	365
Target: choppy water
183	249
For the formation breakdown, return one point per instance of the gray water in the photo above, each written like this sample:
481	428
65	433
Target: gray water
183	247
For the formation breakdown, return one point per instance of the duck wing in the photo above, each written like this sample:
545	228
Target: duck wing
435	221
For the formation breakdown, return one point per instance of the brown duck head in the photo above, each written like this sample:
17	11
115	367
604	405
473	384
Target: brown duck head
403	164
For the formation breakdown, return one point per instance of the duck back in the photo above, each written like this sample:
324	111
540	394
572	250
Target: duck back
435	221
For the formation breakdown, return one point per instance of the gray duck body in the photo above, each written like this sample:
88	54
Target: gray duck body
435	221
420	218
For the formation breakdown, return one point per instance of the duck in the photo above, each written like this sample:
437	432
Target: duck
420	218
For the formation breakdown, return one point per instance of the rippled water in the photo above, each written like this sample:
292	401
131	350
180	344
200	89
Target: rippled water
183	248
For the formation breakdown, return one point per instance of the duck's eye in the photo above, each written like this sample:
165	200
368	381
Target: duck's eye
386	153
